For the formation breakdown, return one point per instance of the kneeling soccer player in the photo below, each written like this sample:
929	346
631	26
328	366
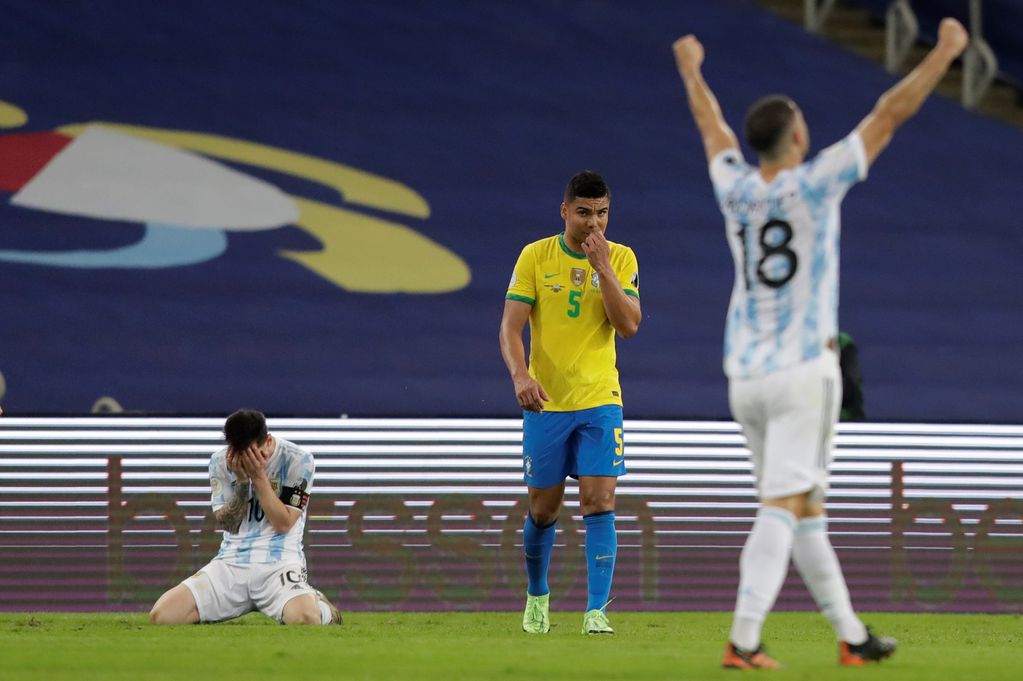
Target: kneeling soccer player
260	489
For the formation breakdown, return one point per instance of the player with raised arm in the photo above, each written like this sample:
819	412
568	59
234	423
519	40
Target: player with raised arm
576	289
782	225
260	489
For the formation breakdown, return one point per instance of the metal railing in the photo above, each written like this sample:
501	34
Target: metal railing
980	64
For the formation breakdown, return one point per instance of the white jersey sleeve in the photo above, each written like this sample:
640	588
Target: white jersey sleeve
836	169
297	468
726	170
220	479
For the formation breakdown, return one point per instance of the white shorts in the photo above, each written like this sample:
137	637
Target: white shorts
223	591
788	418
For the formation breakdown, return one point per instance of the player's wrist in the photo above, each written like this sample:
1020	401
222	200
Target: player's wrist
949	50
689	72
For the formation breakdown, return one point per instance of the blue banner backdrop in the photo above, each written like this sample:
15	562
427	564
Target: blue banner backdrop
314	207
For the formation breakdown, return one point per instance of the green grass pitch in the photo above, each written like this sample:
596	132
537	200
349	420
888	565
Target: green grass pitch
452	646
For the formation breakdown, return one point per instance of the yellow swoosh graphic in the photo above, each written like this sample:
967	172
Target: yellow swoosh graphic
360	253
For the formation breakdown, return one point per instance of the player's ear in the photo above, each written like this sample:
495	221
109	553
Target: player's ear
795	138
564	211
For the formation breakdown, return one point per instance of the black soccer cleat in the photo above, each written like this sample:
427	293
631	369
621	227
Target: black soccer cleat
874	649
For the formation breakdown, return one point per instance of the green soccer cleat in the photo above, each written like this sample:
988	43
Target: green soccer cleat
595	622
536	619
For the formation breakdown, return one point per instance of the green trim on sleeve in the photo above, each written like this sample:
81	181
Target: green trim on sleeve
566	249
521	299
630	292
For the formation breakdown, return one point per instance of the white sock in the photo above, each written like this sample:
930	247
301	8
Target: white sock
762	569
324	612
818	564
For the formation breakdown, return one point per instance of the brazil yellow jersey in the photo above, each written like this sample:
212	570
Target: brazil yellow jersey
572	343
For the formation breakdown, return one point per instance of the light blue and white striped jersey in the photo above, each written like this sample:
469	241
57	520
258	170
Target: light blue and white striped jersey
255	541
784	241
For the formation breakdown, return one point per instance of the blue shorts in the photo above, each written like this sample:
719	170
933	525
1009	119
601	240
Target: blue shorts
558	444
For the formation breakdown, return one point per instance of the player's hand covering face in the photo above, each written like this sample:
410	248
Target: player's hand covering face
249	463
597	250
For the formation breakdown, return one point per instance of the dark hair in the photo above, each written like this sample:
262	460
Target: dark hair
244	427
588	185
766	123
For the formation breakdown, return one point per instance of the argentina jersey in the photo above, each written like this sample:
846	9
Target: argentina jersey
784	241
255	541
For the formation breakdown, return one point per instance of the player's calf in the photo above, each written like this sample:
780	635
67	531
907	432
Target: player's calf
304	609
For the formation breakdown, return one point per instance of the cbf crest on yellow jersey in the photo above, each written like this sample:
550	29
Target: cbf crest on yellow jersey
572	343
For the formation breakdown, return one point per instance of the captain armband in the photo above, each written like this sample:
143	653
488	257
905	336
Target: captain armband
295	497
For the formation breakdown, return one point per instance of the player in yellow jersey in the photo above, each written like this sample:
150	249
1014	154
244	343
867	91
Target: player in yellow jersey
577	289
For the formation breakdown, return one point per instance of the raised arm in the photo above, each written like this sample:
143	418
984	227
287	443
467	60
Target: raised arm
901	102
716	134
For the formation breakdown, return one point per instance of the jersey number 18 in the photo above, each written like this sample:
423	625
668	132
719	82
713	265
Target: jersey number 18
774	238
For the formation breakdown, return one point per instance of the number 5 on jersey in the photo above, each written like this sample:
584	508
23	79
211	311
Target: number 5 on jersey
573	303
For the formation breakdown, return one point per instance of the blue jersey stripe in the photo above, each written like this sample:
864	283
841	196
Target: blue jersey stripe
752	312
814	199
244	554
276	545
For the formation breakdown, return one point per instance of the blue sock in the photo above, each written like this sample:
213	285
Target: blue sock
601	549
537	544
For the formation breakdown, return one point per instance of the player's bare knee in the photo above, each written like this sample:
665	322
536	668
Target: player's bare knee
798	504
160	614
596	501
543	517
545	508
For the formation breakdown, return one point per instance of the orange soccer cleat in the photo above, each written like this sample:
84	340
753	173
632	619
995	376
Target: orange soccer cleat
737	658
